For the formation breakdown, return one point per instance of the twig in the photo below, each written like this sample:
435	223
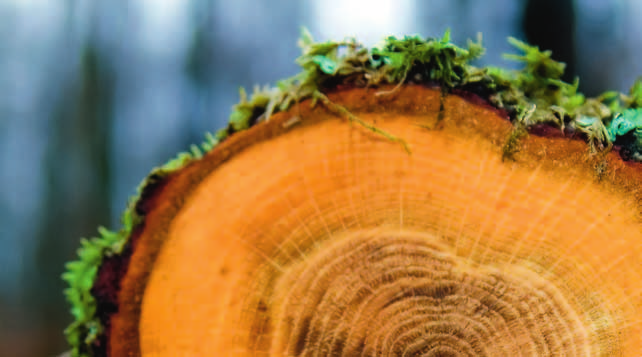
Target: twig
342	111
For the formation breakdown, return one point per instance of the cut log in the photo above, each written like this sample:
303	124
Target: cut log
315	233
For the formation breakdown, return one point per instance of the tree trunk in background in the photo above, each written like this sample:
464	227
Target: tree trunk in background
200	71
255	43
495	20
550	24
77	196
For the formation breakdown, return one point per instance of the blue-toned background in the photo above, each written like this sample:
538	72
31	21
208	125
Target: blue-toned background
93	94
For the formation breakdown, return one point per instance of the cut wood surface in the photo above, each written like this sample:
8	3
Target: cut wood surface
308	235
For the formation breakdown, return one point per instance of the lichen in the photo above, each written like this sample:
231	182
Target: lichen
533	95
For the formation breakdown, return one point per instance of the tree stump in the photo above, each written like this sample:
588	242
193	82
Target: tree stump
315	233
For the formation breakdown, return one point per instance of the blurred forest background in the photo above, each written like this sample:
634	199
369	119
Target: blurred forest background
96	93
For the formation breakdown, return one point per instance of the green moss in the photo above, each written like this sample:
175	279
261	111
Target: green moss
538	85
81	274
533	95
435	60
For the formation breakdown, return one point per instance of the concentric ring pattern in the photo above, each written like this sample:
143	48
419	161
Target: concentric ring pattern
392	294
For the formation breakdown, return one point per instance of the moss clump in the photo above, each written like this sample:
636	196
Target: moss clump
434	60
533	95
81	274
624	129
537	88
622	123
329	64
